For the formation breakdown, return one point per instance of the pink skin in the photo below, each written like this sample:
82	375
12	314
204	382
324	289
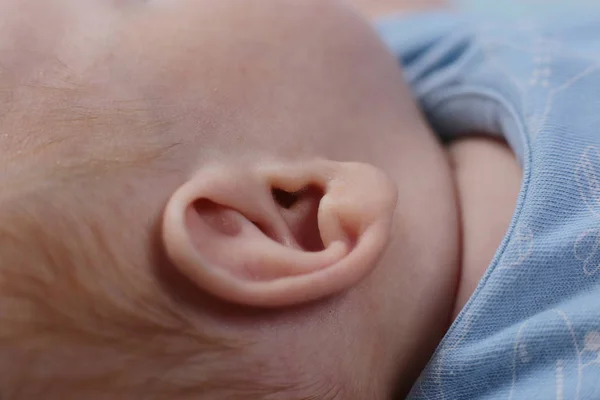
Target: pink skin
296	96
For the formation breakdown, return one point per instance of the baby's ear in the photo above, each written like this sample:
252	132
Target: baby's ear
279	235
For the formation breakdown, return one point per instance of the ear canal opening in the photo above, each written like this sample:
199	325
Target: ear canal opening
300	210
284	198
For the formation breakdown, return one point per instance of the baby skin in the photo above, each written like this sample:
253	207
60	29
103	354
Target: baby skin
226	200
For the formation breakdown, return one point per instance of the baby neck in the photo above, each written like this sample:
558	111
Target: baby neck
487	179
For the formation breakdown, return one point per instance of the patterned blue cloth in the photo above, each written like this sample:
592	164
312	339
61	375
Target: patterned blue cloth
532	328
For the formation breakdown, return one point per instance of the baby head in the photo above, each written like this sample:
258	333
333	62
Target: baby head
214	200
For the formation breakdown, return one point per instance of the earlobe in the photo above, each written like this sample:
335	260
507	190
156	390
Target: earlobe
242	236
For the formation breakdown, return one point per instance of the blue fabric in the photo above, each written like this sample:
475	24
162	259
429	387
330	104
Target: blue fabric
532	328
